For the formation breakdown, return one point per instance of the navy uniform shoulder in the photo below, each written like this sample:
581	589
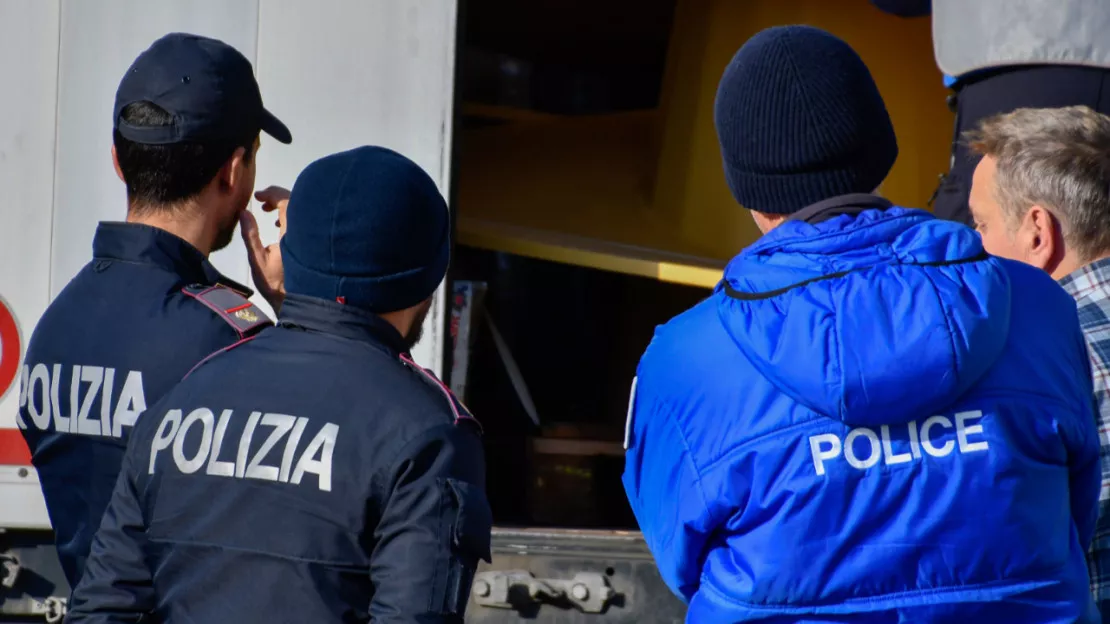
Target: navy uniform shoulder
154	312
432	396
231	307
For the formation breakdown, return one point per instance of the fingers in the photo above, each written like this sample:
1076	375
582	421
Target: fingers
248	227
272	198
272	193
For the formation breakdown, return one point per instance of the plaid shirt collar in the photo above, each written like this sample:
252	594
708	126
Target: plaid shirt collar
1087	280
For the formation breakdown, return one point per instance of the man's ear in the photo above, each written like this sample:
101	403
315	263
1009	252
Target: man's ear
233	170
1044	238
115	164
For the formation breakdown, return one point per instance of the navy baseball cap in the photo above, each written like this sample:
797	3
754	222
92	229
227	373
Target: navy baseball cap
206	85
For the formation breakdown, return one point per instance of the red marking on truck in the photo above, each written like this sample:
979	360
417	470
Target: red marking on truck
13	449
10	348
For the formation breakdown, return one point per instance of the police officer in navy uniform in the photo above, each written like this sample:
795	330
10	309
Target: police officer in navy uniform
149	306
313	473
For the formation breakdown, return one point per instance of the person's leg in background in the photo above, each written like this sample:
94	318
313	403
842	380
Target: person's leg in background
1042	86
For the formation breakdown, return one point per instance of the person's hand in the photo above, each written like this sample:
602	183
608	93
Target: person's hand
265	260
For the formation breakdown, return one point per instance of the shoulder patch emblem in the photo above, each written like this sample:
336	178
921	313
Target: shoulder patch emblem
246	314
460	412
235	309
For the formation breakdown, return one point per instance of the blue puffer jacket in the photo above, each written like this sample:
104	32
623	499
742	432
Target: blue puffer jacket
870	420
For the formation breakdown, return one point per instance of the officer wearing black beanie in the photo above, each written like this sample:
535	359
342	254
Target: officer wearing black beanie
313	473
800	120
798	442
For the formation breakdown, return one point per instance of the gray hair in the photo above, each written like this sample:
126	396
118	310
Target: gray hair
1056	158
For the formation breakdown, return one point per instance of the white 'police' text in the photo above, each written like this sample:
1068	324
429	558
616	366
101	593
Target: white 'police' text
828	446
238	460
90	387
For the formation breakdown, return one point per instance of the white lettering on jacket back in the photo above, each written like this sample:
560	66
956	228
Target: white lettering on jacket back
208	450
877	446
42	395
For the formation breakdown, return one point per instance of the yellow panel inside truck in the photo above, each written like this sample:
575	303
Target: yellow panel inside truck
648	184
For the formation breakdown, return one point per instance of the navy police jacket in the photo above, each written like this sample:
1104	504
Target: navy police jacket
311	474
128	327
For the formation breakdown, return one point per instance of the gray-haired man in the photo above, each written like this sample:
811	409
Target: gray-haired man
1041	195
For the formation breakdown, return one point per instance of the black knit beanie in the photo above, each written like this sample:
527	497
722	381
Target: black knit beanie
367	227
799	119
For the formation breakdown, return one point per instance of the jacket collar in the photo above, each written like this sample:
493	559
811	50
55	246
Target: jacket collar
852	204
341	320
145	244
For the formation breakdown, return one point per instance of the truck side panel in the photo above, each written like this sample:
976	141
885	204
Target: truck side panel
98	42
351	72
29	58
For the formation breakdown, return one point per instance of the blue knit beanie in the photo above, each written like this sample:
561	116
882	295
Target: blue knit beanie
367	227
800	120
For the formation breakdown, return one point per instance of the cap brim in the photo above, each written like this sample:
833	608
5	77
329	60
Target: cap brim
272	126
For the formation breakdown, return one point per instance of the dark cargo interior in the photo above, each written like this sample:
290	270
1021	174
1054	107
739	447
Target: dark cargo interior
575	332
576	335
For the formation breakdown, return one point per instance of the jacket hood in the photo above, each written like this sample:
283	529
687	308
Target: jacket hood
877	318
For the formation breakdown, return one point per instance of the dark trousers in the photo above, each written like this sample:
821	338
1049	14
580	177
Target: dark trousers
1044	86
